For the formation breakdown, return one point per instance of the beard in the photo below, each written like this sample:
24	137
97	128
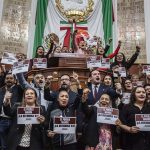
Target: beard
40	85
9	84
65	86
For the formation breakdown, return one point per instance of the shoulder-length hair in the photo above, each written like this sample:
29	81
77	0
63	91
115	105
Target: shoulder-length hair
23	101
112	82
133	97
124	58
36	55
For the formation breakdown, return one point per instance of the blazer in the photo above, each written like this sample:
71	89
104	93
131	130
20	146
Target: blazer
17	93
102	89
16	131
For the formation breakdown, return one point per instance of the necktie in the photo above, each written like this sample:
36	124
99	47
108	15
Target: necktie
39	98
95	92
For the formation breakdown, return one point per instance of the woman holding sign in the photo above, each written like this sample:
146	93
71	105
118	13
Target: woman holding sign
40	55
27	126
62	123
98	136
137	127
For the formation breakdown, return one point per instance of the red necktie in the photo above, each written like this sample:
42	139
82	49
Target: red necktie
95	92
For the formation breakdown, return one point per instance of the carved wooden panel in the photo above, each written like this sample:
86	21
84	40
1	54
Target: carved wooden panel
14	26
131	25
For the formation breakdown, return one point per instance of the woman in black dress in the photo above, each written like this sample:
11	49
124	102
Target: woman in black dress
134	138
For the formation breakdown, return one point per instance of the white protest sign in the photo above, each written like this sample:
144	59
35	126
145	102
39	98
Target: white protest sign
143	121
146	68
126	98
138	83
93	61
107	115
65	125
40	62
28	115
92	42
121	71
8	58
20	67
148	72
105	63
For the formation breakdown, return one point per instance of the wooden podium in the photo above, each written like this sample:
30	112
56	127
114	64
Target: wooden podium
72	62
64	65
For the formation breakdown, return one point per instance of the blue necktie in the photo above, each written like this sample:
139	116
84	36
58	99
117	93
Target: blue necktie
39	98
95	92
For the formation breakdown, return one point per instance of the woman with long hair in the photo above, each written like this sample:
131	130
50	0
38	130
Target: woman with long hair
25	136
40	53
134	139
121	61
107	80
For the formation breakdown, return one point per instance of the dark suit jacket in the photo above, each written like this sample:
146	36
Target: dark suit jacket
102	89
16	131
17	94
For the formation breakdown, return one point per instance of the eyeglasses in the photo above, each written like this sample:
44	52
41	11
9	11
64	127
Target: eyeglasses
147	89
39	77
128	83
65	79
48	78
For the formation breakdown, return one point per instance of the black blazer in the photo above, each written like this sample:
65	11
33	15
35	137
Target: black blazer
102	89
17	93
16	131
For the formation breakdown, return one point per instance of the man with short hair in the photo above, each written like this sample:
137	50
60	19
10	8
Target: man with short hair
97	88
48	80
38	85
39	80
11	89
65	83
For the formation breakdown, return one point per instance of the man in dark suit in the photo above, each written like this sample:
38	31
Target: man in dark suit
11	89
65	83
97	88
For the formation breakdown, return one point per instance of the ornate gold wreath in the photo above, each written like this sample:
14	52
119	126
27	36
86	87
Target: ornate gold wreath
77	15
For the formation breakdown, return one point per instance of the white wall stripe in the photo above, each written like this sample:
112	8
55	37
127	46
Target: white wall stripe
31	30
1	9
147	28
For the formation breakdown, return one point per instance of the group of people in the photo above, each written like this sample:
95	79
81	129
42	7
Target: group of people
106	91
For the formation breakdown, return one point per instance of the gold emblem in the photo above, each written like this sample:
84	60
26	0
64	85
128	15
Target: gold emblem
52	37
75	13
